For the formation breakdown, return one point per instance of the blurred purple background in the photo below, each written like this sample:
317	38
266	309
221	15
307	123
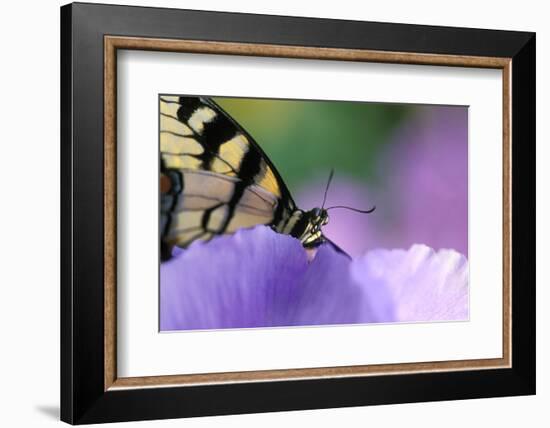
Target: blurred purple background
420	189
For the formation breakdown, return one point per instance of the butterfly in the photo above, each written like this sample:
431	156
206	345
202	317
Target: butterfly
215	179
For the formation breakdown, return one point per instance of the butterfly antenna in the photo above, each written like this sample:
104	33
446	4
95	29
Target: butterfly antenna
353	209
328	185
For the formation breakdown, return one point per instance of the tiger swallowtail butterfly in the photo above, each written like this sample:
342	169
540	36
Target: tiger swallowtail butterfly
215	179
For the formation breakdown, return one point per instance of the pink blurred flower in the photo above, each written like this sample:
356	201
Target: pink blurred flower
427	170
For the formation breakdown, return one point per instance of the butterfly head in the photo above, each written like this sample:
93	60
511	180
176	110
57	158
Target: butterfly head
308	229
318	217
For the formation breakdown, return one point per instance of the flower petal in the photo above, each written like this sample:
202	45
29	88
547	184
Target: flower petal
248	279
425	285
329	296
260	278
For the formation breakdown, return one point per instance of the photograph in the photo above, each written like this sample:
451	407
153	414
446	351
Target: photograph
296	213
263	211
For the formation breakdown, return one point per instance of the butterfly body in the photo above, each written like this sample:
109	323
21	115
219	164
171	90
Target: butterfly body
215	179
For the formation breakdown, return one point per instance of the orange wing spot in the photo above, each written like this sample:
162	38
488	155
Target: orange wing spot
165	183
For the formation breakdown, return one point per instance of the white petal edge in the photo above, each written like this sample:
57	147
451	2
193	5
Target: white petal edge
425	285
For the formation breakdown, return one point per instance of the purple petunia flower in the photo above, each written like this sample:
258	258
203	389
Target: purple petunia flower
260	278
424	285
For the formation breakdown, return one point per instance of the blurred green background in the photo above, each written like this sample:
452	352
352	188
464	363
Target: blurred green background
305	139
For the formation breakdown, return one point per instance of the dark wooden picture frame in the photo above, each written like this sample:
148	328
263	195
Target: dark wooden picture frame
90	389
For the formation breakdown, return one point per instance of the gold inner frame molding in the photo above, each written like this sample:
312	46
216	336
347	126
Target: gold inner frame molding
113	43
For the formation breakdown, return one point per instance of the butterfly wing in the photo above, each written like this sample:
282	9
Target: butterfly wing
215	178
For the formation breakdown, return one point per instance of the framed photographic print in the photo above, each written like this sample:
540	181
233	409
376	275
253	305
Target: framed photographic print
265	213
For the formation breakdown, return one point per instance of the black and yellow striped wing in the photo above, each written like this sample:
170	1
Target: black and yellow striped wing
215	179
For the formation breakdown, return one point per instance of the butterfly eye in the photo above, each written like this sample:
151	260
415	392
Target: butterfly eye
325	221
